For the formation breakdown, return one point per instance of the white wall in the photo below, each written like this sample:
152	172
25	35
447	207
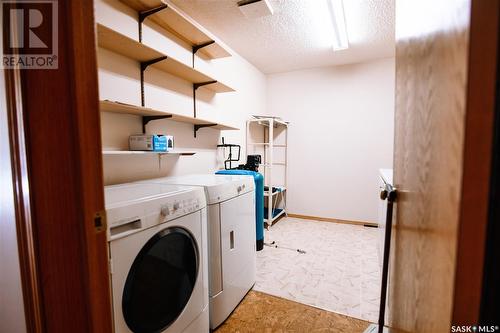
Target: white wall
119	81
12	318
341	133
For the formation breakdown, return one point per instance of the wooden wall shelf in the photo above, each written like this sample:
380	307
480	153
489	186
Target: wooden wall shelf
118	107
171	19
117	42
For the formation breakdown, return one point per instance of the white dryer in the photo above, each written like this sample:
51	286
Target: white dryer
231	238
158	257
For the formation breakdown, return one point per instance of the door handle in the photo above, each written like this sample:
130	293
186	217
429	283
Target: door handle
231	240
389	193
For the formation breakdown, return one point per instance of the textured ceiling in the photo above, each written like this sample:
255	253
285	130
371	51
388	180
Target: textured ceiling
299	34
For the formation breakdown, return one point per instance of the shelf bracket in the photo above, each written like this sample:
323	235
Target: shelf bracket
197	127
195	87
147	119
144	66
198	47
145	13
201	84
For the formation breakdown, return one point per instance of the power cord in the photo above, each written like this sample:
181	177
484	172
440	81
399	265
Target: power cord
276	246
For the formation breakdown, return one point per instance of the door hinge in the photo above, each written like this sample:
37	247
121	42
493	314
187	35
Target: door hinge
100	221
111	270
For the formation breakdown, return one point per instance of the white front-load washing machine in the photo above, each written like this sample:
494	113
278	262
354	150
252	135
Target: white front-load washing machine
231	238
157	237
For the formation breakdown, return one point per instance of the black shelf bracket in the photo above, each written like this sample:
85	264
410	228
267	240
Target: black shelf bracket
145	13
147	119
198	47
201	84
144	66
195	87
197	127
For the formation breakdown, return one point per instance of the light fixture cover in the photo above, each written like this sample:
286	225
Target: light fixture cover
340	40
255	9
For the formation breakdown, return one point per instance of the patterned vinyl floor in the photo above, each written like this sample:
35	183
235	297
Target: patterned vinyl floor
339	272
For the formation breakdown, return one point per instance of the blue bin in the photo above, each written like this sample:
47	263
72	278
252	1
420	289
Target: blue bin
259	202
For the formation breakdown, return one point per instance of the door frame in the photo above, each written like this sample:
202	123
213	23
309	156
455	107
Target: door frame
490	302
477	172
55	139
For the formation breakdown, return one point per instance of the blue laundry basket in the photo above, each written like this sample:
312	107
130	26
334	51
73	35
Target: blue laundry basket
259	201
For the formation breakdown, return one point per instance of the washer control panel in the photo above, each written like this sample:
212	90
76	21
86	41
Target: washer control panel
180	207
130	216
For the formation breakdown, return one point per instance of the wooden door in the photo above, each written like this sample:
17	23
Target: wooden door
54	129
445	78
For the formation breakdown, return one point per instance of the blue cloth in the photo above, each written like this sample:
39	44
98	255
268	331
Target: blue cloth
259	201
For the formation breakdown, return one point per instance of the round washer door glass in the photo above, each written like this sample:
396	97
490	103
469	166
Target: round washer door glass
160	281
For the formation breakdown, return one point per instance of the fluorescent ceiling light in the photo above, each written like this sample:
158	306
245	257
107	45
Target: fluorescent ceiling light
340	41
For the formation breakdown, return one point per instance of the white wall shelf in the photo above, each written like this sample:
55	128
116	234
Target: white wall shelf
266	144
266	193
159	154
173	20
138	152
277	213
266	122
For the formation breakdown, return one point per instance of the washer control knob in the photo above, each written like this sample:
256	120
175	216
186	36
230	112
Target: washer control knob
164	210
176	206
239	189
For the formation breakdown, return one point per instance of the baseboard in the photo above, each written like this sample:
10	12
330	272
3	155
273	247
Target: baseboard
329	219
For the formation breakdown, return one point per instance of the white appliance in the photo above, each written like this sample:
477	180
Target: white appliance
158	257
231	238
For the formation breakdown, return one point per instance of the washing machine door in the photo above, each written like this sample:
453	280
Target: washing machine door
160	281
